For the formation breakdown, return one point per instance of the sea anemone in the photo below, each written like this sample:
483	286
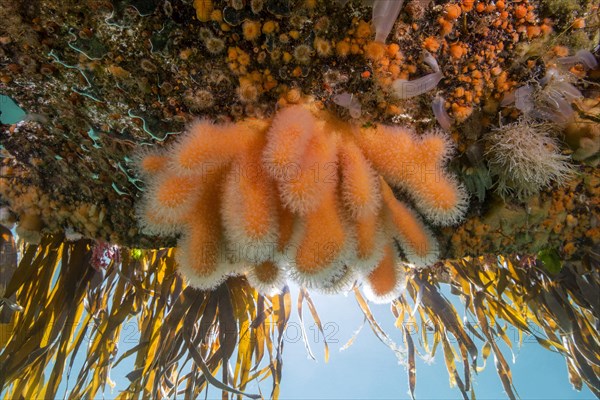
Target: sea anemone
524	158
251	30
550	101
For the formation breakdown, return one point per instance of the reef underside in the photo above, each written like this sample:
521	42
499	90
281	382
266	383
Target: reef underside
101	79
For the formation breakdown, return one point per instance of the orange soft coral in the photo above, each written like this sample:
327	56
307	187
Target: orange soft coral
267	278
151	163
322	241
360	186
201	255
289	135
170	199
207	146
416	165
305	196
302	190
249	208
415	239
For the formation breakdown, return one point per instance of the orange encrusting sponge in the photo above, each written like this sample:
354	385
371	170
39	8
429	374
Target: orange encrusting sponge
304	196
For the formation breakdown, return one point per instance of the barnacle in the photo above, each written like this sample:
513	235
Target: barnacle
304	196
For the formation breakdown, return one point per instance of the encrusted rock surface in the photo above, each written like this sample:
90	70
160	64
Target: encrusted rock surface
99	79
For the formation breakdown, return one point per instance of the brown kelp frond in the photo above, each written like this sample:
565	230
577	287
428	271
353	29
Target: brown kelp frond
80	297
66	299
559	309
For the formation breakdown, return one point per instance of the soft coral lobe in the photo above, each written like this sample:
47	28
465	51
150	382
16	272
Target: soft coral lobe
198	257
369	241
170	199
249	209
150	163
416	165
207	146
267	277
320	243
287	138
201	255
360	186
417	242
302	189
360	191
387	280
